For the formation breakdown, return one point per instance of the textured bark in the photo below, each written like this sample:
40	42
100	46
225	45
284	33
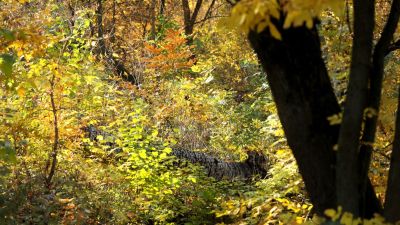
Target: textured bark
392	198
189	18
347	170
305	99
255	165
374	95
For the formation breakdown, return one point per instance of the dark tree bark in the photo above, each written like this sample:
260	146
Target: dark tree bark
71	21
51	162
117	66
113	22
374	95
347	170
392	198
189	18
100	32
305	99
153	19
209	11
162	7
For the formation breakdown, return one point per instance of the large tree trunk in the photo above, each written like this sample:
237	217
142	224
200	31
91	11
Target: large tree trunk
347	169
305	99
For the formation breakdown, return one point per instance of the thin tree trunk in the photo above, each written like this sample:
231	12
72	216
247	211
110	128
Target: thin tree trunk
52	160
186	17
209	11
153	19
162	7
347	169
113	23
189	18
374	96
100	32
392	198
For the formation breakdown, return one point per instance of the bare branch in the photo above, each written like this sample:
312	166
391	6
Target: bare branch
393	47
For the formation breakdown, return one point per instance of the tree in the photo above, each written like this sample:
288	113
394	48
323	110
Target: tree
304	97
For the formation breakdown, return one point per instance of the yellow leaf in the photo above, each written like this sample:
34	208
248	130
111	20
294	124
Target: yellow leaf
163	156
167	150
291	16
346	219
21	91
274	11
192	179
261	26
274	32
309	23
299	220
142	154
65	200
143	173
330	213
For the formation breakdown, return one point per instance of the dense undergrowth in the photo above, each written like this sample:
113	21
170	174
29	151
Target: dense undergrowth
210	96
126	174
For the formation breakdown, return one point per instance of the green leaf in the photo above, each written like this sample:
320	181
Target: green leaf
7	34
6	63
7	153
167	150
137	136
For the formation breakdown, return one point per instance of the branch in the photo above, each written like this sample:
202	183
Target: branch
208	18
196	11
209	10
374	92
231	2
393	47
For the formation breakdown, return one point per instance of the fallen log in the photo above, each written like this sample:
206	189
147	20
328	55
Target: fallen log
256	164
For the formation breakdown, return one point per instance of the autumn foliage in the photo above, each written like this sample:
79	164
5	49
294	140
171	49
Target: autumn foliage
97	97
